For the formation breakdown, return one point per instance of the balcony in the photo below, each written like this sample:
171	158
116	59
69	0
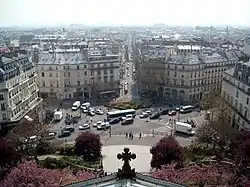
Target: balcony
104	67
237	112
19	102
32	75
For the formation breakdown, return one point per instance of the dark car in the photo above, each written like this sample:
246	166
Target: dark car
164	111
172	113
70	129
128	121
64	134
114	121
155	115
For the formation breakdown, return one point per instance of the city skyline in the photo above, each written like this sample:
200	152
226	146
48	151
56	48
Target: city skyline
127	13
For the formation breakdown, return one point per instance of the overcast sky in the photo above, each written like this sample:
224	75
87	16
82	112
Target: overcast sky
125	12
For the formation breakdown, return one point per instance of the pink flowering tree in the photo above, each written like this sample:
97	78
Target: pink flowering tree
30	174
213	175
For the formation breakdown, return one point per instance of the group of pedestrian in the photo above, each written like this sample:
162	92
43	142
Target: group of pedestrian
130	136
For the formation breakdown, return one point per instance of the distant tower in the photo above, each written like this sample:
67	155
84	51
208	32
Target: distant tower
227	30
247	46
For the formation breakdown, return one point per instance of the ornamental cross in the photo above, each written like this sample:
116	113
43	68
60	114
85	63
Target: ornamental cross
126	172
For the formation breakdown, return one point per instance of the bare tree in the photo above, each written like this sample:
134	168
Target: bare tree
217	131
26	135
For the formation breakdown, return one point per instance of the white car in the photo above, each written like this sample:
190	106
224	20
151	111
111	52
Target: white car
128	74
97	123
103	126
85	109
99	111
144	115
148	112
84	126
126	82
127	116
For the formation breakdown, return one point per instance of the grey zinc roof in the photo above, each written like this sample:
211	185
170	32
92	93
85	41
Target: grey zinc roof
112	181
62	58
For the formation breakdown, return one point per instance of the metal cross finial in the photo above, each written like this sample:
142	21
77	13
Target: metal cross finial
126	172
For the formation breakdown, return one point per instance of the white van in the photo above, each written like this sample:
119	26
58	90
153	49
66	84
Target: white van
58	115
184	128
76	105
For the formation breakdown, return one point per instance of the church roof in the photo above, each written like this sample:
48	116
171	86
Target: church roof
140	180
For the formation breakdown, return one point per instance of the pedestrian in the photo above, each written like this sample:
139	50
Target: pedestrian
126	135
129	136
153	132
132	136
140	135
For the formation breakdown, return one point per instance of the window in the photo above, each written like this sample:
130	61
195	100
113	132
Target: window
68	74
43	83
105	72
85	73
111	71
247	101
98	72
78	83
50	74
2	107
237	94
1	97
85	66
42	74
175	74
105	79
56	74
4	116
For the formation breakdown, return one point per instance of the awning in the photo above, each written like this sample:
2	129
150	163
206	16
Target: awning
107	92
28	118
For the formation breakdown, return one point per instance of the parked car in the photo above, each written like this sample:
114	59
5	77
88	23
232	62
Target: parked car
144	115
128	121
114	121
172	113
64	134
84	126
99	112
164	111
148	111
97	123
155	115
91	112
69	128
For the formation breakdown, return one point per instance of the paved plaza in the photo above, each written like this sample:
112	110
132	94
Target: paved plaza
141	163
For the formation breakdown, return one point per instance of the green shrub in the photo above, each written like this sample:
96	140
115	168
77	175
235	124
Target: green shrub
53	163
68	150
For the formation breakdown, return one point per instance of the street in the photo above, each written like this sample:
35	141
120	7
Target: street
158	127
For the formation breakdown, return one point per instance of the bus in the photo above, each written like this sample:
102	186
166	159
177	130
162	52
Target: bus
120	113
186	109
